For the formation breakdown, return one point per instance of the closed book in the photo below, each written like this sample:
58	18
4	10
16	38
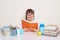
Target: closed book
51	30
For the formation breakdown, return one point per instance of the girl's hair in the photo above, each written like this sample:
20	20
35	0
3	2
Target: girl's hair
29	11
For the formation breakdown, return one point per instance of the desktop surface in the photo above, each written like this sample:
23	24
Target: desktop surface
29	36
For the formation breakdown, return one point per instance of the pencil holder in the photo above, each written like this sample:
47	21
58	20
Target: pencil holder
13	31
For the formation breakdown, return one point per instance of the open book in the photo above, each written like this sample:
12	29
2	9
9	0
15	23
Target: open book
28	25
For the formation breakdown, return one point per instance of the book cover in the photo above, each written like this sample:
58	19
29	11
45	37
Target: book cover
29	25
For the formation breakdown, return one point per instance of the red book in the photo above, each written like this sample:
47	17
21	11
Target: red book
29	25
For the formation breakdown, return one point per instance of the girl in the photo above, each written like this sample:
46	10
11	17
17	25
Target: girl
32	26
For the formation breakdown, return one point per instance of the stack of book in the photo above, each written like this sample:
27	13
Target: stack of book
5	30
51	30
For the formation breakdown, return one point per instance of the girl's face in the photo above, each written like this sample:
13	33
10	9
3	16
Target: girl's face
30	16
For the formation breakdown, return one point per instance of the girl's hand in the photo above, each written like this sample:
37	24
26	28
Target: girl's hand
30	30
26	29
33	30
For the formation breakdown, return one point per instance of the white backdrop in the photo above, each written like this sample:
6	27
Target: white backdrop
12	11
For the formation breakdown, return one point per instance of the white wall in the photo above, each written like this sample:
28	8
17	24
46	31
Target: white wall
12	11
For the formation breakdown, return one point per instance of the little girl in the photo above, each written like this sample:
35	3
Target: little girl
30	15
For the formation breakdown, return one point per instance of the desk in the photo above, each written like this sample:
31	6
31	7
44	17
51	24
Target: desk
29	36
